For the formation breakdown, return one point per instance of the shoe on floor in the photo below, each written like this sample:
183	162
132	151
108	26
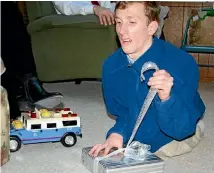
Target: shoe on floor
33	93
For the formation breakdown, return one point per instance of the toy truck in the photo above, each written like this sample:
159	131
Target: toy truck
59	125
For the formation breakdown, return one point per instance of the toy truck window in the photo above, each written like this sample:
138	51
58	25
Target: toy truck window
51	125
36	126
69	123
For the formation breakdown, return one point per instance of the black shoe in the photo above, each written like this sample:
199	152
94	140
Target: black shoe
35	94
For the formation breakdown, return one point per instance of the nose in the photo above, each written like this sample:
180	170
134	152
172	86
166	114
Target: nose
122	29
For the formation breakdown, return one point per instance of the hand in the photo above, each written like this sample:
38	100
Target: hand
114	140
163	82
106	17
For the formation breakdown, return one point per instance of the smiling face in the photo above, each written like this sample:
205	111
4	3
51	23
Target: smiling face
134	30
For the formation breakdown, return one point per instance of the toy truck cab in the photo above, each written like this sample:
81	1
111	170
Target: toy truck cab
45	126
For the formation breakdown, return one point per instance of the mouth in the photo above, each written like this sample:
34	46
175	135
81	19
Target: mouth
125	41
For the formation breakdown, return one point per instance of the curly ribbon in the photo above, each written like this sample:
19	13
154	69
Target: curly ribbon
135	150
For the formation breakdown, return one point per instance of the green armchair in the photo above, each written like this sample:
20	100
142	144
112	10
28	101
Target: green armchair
68	47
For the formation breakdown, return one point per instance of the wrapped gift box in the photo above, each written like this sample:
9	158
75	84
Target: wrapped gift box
120	164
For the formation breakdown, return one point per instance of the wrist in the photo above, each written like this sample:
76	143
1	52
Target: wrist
165	105
94	8
165	99
115	135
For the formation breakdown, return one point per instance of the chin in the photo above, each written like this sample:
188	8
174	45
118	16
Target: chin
127	50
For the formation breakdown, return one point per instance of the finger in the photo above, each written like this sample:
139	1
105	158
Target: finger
93	149
157	78
157	82
168	85
101	19
171	79
160	87
112	18
161	77
167	82
96	152
109	19
104	20
106	151
165	88
158	72
161	72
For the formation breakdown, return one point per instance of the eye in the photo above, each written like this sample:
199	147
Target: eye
118	22
132	22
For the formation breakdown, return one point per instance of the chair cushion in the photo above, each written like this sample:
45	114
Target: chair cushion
59	21
38	9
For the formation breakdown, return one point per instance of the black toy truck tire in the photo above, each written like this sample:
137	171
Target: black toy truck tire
69	135
18	143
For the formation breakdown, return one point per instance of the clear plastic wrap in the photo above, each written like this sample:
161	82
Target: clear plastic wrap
137	151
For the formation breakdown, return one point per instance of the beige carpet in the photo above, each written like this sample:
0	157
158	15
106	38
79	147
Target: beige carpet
86	100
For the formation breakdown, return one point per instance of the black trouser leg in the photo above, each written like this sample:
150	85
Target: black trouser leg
16	45
19	61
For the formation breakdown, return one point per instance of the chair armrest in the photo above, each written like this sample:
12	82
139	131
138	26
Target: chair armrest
62	21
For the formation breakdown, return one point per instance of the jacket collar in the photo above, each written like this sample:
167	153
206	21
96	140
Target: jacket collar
153	54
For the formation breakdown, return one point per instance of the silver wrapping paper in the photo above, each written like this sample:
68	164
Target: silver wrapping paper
120	164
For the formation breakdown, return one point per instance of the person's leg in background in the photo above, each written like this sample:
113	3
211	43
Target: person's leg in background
17	56
16	45
8	52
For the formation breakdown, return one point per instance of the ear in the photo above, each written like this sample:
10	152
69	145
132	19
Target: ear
153	26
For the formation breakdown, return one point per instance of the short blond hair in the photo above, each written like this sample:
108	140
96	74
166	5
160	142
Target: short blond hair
152	9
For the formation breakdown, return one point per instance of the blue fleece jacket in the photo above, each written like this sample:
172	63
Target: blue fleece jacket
124	94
